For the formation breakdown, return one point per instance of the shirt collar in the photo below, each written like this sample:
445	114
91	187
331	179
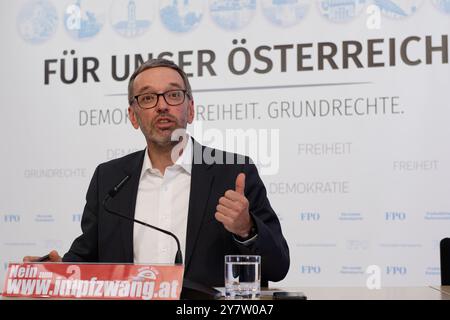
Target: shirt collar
184	161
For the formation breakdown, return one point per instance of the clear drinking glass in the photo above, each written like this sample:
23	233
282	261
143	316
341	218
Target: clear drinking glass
242	276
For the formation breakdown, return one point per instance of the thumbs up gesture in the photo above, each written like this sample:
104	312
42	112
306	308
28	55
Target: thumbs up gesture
232	210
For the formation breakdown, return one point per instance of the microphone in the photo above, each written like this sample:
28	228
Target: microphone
114	191
191	289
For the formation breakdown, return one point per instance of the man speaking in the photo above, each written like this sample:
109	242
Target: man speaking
214	202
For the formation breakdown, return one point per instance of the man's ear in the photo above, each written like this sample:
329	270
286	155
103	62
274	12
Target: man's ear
133	117
191	111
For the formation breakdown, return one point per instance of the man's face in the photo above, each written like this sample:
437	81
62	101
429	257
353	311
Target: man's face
158	123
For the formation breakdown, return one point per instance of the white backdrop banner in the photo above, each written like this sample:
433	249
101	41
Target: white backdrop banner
343	105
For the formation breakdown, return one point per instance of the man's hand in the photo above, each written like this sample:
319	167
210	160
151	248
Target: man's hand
232	210
53	256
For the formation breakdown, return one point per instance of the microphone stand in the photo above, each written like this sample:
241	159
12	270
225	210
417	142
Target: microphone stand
178	257
191	290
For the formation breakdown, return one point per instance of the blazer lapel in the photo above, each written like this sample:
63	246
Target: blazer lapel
201	184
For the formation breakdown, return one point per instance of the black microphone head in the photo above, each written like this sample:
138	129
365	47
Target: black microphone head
112	193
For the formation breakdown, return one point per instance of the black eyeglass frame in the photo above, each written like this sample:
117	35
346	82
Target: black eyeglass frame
157	98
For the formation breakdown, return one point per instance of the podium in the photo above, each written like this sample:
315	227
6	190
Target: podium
102	281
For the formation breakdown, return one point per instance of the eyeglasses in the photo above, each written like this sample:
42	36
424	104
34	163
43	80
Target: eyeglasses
149	100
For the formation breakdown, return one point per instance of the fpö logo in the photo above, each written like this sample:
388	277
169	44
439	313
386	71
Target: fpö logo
309	216
395	216
11	218
310	269
396	270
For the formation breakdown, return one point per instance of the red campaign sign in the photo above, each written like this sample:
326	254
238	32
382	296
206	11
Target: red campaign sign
94	281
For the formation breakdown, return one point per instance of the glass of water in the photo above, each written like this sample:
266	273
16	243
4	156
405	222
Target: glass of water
242	276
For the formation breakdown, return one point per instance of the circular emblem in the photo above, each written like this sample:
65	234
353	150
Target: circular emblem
37	21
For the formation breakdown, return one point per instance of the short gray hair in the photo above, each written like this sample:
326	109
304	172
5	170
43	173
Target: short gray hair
154	63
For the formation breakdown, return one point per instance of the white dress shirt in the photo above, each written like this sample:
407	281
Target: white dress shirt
162	201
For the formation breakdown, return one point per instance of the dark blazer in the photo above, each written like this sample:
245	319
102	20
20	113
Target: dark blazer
108	238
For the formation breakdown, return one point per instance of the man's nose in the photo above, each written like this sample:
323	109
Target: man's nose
161	104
